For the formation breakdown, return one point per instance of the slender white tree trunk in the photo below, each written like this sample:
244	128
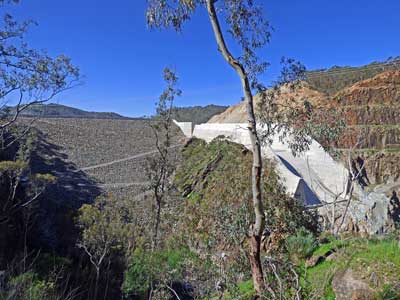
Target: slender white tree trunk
259	224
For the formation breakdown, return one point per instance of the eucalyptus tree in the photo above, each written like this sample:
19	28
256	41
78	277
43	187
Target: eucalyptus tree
296	123
27	76
245	23
160	166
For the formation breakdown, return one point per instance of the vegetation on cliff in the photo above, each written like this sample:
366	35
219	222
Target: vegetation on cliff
197	114
202	249
217	209
334	79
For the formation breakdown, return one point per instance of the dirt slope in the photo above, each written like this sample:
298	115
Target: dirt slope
237	113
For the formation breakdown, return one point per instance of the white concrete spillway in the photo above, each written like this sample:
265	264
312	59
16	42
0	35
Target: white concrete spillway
186	127
313	176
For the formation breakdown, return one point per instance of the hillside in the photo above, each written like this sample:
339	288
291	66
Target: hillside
53	110
89	157
197	114
237	113
329	268
105	149
371	109
332	80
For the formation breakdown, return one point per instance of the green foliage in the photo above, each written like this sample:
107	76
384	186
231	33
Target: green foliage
364	257
213	195
329	247
301	245
214	179
389	292
29	286
242	291
44	178
107	226
157	267
32	75
12	167
284	215
318	280
47	262
382	256
246	289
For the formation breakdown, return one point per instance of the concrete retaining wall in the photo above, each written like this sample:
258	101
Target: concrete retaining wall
186	127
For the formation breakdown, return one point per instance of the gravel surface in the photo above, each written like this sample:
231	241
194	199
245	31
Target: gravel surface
110	149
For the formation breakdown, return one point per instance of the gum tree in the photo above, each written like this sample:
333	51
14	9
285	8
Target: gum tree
245	23
27	76
160	166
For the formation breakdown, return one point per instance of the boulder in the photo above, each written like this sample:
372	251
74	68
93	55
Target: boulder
347	286
314	260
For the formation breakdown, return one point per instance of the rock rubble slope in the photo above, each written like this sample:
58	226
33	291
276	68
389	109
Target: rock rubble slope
112	152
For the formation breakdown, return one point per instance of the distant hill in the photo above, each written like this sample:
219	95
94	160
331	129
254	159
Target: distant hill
334	79
197	114
53	110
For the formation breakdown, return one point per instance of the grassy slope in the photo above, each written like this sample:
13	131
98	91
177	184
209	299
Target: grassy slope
363	256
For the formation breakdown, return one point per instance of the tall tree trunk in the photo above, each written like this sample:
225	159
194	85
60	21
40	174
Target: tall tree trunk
258	227
96	286
158	219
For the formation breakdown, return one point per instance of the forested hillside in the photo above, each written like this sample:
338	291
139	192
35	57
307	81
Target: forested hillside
336	78
197	114
53	110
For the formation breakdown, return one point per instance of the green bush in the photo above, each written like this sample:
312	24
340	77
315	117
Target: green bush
156	267
28	286
364	257
390	293
301	245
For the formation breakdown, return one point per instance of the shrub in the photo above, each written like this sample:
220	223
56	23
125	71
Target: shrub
28	286
156	268
301	245
390	293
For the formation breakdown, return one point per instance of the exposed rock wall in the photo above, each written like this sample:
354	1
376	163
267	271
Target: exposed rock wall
371	109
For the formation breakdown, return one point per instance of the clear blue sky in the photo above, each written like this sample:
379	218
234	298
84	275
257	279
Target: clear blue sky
122	60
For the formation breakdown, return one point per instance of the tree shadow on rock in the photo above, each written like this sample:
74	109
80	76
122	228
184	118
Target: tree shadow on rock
59	203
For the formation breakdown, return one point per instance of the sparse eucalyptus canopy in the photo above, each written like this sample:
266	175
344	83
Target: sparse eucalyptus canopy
28	76
243	20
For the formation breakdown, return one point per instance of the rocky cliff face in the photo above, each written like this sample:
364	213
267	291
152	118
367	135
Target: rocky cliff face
371	110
